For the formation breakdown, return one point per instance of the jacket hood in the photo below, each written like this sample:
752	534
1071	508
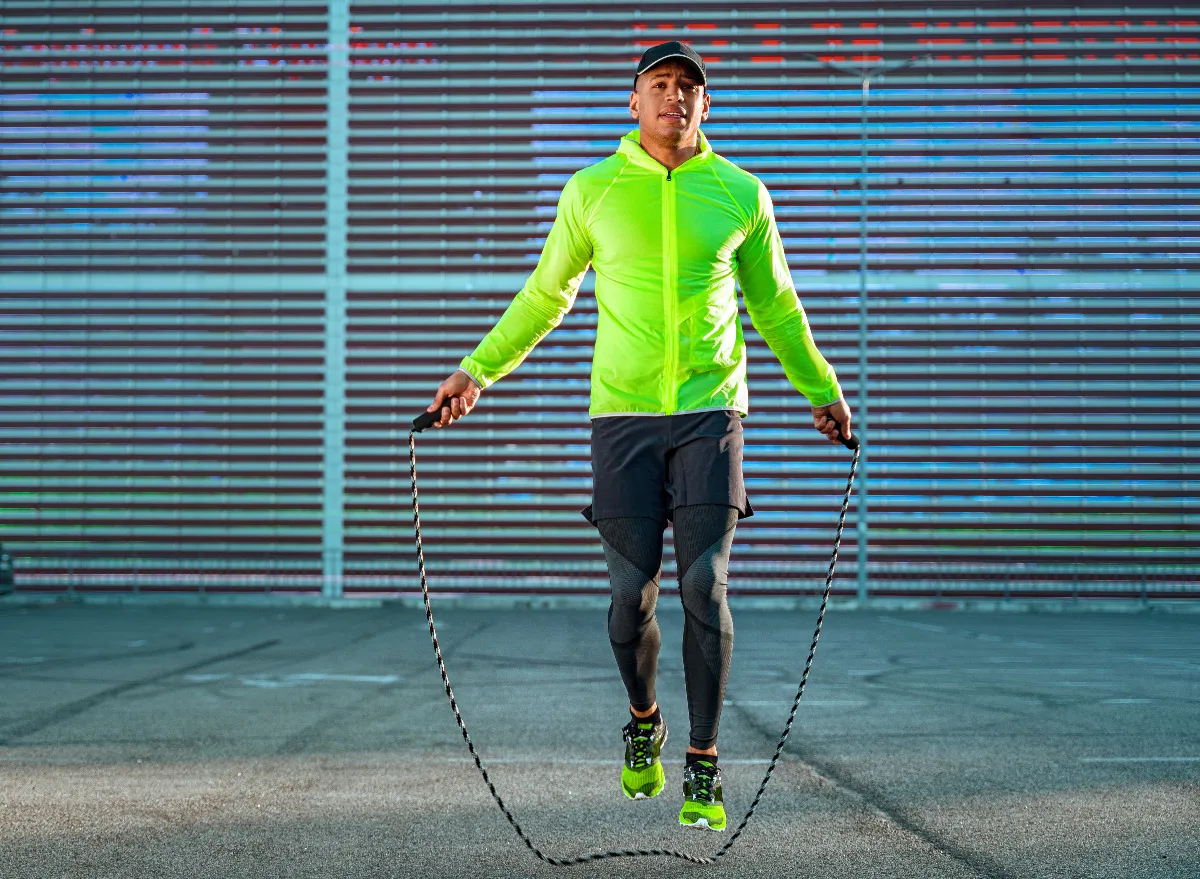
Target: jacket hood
631	146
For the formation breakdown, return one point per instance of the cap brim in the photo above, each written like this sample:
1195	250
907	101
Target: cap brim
680	55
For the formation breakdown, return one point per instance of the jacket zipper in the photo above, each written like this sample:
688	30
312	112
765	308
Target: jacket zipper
669	283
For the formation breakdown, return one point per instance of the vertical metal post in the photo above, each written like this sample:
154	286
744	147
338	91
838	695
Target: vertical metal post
336	158
863	323
862	403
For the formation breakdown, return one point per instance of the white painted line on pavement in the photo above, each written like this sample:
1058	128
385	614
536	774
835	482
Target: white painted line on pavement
353	679
1139	759
576	761
925	627
292	680
1175	663
803	702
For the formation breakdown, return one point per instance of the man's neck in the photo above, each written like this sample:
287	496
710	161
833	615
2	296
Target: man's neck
668	156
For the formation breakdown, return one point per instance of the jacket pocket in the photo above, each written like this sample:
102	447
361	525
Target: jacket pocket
712	337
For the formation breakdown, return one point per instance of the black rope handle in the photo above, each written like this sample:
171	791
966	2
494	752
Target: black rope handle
426	419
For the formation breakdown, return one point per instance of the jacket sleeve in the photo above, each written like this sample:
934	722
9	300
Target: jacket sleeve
775	309
547	296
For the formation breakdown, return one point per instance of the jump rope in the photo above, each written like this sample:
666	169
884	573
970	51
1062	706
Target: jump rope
426	420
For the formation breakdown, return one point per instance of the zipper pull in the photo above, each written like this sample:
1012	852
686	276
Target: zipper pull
668	174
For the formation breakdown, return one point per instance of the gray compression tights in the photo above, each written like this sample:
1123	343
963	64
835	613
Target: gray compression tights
633	549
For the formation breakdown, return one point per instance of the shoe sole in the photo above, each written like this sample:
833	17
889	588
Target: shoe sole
701	824
641	795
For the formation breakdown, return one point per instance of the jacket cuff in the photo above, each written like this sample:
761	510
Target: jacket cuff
836	393
472	371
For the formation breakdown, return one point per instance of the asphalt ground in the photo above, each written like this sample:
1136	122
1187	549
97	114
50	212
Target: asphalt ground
152	741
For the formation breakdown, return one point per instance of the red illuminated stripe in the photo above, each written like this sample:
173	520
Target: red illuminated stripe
767	59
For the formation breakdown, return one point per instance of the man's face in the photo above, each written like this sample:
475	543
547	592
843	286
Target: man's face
669	102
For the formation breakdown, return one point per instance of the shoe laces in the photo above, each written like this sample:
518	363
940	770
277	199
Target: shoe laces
703	777
641	743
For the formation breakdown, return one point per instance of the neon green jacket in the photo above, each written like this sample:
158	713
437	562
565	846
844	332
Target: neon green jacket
666	247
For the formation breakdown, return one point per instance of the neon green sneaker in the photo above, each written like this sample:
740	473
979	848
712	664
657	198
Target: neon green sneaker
702	802
642	773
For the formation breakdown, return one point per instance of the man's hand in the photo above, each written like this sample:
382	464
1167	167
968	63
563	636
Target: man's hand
456	396
827	419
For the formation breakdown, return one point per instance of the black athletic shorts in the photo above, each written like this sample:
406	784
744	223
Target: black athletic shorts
646	465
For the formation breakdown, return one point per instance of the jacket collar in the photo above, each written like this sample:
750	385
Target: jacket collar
631	146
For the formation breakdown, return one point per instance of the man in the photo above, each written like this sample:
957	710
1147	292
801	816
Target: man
668	225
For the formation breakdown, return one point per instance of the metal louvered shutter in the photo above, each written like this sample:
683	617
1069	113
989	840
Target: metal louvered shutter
244	244
1028	385
163	209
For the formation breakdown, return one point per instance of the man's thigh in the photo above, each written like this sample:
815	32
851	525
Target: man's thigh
704	462
629	468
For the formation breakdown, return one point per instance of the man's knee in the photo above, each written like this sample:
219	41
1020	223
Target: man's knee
628	622
704	594
703	540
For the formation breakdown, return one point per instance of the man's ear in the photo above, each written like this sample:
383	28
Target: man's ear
707	105
633	104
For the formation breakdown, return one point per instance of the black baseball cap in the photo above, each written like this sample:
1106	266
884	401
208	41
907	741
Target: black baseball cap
674	49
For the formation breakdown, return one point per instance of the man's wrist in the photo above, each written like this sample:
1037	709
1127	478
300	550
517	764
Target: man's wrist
471	377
